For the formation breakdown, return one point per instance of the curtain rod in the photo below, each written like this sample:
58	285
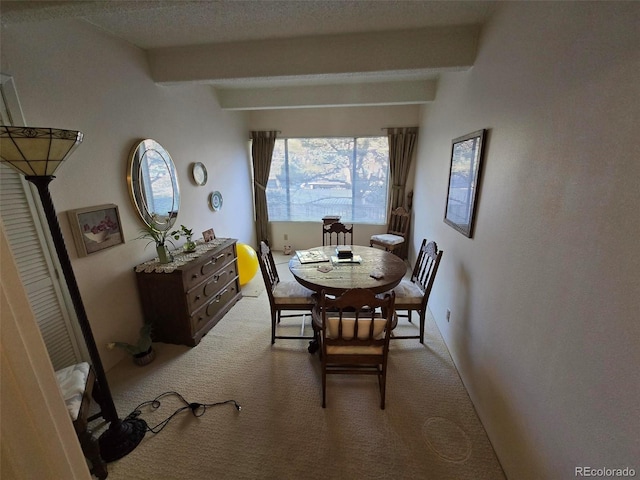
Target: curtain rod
359	135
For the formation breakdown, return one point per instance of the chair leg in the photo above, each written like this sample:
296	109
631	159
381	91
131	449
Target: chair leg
324	385
318	335
382	379
273	328
423	316
314	345
98	397
91	450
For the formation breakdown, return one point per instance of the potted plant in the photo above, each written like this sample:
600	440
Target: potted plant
160	237
187	233
142	352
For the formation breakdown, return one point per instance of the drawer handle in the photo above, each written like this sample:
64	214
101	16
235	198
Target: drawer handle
215	260
194	276
220	295
198	297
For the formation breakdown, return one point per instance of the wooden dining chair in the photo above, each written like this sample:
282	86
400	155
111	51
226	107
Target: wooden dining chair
397	230
412	295
337	233
284	296
354	335
78	386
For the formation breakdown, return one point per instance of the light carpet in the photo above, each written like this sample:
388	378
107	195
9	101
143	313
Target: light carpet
429	429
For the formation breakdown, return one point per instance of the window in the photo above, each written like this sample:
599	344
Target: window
314	177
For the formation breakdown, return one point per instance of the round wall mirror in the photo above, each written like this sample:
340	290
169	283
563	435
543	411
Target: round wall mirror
153	184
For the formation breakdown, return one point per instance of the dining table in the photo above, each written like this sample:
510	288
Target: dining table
377	270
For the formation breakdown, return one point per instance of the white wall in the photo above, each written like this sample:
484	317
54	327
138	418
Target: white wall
545	298
326	122
70	75
301	235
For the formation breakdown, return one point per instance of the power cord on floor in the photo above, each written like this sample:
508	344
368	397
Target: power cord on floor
197	409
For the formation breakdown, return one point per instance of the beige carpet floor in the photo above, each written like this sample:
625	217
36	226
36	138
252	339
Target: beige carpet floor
429	429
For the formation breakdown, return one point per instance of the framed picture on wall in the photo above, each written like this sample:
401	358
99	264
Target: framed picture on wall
464	180
95	228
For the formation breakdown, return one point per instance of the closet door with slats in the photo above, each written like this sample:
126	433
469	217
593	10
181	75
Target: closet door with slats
31	252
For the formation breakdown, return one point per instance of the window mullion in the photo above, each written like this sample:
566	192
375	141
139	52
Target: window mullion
286	176
353	178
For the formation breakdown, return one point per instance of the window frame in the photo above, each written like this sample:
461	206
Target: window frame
353	206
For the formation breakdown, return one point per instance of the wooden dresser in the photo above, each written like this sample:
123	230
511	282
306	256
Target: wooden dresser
184	299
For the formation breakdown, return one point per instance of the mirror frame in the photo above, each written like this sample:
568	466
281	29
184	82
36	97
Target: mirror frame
136	185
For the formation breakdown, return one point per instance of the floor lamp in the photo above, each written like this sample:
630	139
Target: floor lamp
36	153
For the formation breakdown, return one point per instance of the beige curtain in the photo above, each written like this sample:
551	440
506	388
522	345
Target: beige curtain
261	153
401	144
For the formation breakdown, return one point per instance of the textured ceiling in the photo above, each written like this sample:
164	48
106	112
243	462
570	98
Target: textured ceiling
166	23
160	25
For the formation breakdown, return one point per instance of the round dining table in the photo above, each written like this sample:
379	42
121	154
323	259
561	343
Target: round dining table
378	270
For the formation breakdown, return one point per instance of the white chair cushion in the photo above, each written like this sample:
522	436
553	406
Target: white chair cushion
291	292
72	381
348	327
387	239
408	293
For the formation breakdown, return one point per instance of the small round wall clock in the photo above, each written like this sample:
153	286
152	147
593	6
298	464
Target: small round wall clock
215	201
199	172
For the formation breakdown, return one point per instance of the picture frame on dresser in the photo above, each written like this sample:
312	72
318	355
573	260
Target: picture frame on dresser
95	228
208	235
465	168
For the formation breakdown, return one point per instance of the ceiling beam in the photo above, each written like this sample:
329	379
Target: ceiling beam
368	53
354	94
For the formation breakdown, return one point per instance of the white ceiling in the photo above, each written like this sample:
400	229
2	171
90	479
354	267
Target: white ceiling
159	26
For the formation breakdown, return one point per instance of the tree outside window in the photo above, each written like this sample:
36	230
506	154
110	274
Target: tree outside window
314	177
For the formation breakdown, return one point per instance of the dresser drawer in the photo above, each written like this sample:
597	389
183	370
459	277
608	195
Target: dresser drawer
210	264
215	304
204	292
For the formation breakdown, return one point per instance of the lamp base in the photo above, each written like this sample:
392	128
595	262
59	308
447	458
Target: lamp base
121	438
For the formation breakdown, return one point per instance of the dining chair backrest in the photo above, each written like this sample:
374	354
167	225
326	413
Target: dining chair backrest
337	233
355	328
352	319
426	267
399	222
268	267
397	230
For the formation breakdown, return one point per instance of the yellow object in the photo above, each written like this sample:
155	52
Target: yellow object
247	263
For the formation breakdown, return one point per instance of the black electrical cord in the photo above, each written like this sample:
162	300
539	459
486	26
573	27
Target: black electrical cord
197	409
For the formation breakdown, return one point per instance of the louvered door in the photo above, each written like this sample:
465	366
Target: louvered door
32	255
